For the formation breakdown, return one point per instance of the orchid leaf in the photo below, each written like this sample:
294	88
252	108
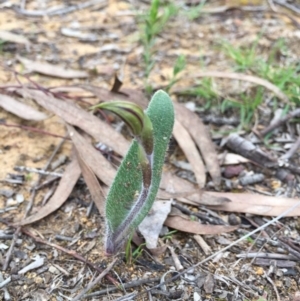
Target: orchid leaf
135	186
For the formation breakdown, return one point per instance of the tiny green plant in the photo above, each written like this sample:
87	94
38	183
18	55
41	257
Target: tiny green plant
151	24
169	235
179	65
245	58
195	12
137	181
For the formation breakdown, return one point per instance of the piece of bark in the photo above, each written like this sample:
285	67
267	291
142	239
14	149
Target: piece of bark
248	150
279	263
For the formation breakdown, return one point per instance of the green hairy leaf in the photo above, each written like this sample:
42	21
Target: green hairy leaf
137	181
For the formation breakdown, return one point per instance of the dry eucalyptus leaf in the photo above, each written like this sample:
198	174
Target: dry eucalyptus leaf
189	148
175	185
250	78
189	226
255	204
20	109
93	158
63	191
92	183
51	70
200	135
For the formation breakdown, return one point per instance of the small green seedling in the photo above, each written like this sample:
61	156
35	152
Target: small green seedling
152	24
137	181
179	65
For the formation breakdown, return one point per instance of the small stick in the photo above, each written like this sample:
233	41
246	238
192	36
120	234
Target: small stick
38	171
47	183
274	286
203	245
286	246
10	250
176	260
31	129
7	296
292	150
266	255
279	122
125	286
212	220
96	281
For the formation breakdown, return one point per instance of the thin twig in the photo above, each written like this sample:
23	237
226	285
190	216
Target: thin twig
279	122
46	183
292	150
10	250
125	286
31	129
274	287
96	281
38	171
267	256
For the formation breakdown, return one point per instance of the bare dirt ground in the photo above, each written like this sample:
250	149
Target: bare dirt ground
102	40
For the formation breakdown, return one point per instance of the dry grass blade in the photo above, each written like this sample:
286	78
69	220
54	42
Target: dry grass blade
93	158
74	115
20	109
180	223
51	70
92	183
256	204
64	189
249	78
199	133
189	148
